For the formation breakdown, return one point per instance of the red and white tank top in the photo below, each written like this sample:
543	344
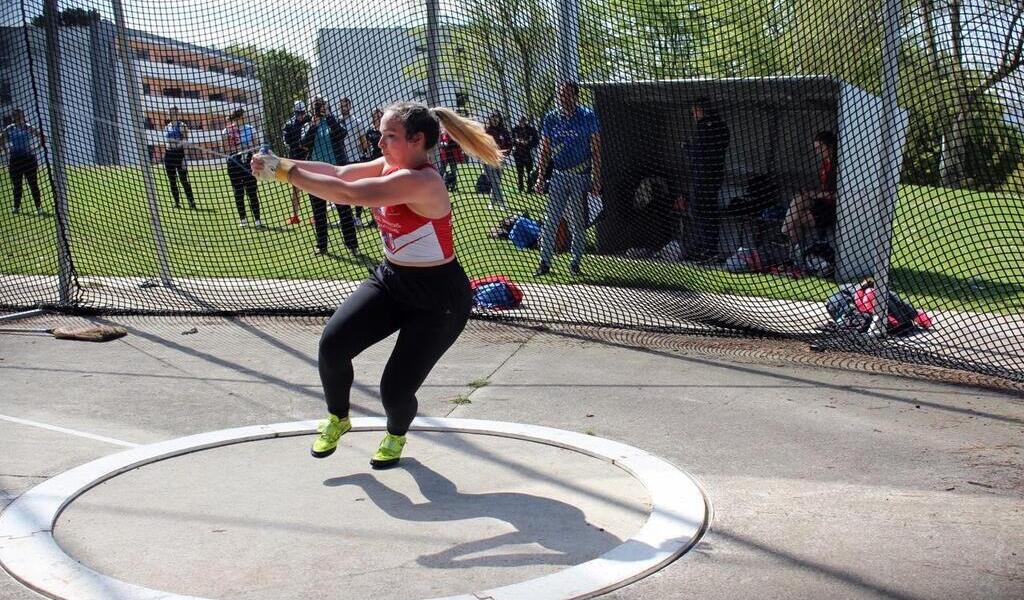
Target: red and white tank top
410	238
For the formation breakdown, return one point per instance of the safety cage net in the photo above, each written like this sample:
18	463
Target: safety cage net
844	171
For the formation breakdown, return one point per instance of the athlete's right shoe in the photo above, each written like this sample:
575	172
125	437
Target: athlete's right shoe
330	430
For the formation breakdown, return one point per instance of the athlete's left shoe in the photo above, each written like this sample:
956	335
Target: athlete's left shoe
330	430
389	452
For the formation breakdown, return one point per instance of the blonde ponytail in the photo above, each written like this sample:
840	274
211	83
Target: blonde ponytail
469	134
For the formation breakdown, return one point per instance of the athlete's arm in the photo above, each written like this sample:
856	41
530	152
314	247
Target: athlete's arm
353	172
401	187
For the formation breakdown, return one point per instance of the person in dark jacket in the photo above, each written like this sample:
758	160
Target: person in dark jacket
292	134
524	139
706	153
324	136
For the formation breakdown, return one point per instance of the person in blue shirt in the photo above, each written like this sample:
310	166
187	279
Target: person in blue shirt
571	146
239	138
324	135
176	135
16	138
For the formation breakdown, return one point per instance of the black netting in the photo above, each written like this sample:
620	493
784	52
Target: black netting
765	166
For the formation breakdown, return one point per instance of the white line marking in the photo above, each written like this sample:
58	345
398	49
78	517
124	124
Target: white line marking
90	436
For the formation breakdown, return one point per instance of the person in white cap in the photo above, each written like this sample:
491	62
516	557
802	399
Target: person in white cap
292	133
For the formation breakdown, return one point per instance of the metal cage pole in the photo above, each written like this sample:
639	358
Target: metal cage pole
888	184
568	40
433	53
58	174
137	119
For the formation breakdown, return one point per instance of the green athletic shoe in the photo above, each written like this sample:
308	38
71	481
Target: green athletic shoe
330	430
389	452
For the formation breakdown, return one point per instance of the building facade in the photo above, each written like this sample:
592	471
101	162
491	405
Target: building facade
204	83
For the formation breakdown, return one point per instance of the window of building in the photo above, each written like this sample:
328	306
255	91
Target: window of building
172	92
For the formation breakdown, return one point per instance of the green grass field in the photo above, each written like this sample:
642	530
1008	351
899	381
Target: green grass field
952	250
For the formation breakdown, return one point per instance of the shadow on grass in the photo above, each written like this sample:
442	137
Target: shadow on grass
993	296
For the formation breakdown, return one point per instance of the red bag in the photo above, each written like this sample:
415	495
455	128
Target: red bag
517	293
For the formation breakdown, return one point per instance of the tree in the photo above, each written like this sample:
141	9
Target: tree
284	77
972	82
71	17
502	45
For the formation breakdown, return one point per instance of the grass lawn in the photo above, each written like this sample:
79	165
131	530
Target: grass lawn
953	249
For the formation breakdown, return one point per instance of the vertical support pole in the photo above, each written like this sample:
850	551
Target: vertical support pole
138	118
568	40
57	162
433	53
888	184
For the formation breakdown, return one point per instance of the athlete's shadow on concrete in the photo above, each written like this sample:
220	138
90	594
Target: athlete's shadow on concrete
559	527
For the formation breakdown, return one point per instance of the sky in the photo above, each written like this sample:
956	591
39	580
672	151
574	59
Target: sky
283	24
293	24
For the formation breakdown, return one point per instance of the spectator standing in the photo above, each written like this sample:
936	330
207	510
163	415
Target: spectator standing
371	141
571	146
355	141
449	156
239	138
371	151
706	153
496	129
524	140
17	139
325	136
292	134
176	135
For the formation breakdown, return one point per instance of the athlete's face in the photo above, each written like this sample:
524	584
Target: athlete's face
397	149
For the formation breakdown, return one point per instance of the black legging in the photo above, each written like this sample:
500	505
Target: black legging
174	164
24	166
244	182
348	226
524	164
428	306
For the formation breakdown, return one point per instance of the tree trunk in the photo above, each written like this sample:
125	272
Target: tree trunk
953	162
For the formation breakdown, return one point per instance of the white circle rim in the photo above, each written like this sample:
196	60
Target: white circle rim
678	518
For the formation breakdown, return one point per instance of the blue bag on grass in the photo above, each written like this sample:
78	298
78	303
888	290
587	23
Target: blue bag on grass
525	233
